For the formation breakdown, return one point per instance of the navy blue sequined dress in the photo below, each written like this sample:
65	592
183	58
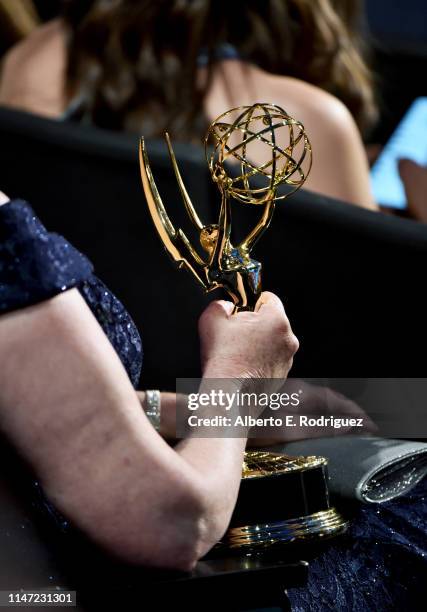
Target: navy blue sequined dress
381	566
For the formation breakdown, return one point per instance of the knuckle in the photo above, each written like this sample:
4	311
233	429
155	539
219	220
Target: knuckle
209	312
293	343
212	318
283	326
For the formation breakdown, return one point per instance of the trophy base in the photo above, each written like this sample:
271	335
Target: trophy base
283	500
320	525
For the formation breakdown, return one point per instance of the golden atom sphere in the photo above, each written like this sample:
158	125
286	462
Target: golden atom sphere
270	148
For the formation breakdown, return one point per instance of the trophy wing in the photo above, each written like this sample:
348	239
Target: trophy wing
186	198
158	213
175	241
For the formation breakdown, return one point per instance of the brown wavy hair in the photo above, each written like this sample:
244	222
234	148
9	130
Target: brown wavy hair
134	63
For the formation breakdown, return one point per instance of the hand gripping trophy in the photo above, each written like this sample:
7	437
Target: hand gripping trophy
269	149
251	152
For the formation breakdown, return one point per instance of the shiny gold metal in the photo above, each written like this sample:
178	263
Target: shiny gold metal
258	464
324	524
241	134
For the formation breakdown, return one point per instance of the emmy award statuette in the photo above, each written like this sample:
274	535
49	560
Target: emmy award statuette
251	151
282	144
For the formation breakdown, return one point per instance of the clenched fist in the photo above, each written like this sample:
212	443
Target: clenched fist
257	344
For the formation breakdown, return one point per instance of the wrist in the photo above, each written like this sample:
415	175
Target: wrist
226	368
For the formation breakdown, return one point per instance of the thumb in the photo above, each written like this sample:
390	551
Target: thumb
218	309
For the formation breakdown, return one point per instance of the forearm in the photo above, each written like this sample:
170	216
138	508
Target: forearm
216	463
68	407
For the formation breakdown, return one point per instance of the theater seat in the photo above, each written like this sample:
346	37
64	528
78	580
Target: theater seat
85	184
352	281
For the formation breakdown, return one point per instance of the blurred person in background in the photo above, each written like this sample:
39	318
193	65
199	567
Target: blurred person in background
414	177
175	65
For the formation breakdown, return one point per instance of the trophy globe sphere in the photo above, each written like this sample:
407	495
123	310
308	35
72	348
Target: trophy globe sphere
252	151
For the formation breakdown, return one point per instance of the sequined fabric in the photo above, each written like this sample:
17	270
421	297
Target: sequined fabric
117	325
36	265
381	566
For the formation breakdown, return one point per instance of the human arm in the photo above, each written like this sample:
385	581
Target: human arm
68	406
414	177
316	401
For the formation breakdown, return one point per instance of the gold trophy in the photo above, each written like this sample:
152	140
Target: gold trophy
284	158
251	151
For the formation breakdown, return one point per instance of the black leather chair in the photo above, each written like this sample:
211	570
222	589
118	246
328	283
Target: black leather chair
352	280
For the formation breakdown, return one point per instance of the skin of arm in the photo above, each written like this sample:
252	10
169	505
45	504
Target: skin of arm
93	449
414	177
317	400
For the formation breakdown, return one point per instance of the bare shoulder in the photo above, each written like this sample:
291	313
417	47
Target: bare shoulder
341	167
33	70
238	83
44	40
310	104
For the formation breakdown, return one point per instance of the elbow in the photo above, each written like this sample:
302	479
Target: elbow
174	534
176	556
